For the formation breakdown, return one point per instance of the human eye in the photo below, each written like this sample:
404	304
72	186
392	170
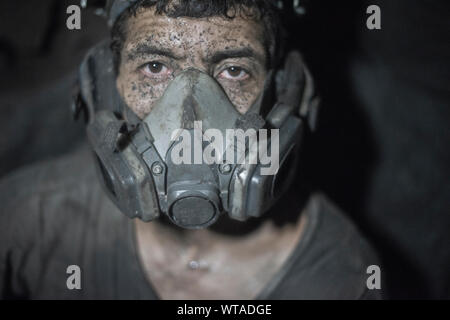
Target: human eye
156	70
234	73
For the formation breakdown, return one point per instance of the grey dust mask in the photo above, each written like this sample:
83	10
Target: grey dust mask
194	156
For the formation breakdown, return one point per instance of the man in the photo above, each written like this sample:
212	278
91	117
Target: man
174	65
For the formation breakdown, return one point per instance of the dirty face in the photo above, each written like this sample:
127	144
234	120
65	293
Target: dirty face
158	48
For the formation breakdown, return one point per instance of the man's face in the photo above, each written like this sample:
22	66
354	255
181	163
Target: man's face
158	48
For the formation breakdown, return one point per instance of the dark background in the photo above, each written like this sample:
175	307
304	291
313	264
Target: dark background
381	151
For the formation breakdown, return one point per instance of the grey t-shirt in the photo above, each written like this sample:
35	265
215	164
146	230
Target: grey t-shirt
55	214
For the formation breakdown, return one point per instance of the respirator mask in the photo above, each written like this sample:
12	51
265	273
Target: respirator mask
186	159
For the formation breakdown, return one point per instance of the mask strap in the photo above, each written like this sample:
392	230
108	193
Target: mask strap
97	81
295	89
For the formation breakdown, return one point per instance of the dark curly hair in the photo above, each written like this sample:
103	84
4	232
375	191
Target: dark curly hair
260	10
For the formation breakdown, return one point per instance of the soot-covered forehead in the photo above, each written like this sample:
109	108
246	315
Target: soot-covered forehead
262	11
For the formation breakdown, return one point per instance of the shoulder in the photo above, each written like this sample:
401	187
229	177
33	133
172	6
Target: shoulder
50	175
333	226
37	196
52	214
333	257
349	253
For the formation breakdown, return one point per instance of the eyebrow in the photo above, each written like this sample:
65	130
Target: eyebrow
216	57
246	52
147	49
